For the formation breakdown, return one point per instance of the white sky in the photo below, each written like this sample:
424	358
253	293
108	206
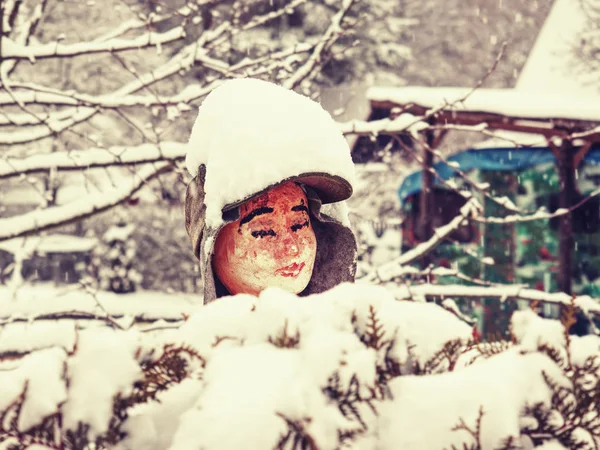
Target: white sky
549	66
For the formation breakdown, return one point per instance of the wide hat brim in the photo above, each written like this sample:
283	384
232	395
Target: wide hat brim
330	188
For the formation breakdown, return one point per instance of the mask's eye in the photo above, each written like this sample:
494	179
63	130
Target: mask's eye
262	233
298	226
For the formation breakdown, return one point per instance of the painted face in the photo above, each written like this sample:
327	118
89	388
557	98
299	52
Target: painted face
272	244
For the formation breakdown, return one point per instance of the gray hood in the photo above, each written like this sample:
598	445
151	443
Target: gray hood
251	136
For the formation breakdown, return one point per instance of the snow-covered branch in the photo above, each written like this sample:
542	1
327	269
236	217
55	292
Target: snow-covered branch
146	21
482	188
259	20
586	303
26	31
36	221
443	272
93	157
390	270
30	93
541	214
59	122
56	123
404	123
14	50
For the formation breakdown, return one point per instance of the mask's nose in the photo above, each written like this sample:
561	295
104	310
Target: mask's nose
291	245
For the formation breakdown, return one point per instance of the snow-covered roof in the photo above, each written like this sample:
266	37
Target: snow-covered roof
503	138
549	87
505	102
54	243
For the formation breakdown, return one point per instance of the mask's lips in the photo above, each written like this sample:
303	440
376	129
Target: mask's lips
292	270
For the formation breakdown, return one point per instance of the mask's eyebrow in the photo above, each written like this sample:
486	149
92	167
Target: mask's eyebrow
301	207
256	212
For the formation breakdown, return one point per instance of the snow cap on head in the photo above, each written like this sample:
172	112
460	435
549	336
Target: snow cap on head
252	135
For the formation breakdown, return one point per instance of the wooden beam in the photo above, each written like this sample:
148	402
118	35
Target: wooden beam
439	137
546	127
580	154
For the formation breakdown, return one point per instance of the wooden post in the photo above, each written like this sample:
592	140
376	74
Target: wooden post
512	268
425	206
566	173
426	200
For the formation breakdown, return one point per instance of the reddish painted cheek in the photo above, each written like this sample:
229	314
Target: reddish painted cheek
270	247
225	246
280	255
242	248
246	247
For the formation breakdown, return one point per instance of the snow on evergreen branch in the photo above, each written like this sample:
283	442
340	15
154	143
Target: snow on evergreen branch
348	368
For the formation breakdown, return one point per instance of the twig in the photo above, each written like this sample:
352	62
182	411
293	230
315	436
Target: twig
329	37
107	316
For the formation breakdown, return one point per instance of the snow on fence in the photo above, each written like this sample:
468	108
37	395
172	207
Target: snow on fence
348	368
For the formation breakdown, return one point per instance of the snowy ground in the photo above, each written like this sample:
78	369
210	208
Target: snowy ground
31	301
28	318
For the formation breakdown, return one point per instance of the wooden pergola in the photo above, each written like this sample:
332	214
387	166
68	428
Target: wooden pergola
569	125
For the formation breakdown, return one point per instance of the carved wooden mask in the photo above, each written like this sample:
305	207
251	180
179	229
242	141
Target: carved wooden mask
271	244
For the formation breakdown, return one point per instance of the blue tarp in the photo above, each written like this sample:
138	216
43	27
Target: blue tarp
492	159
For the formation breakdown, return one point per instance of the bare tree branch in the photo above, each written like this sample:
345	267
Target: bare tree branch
59	122
33	111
